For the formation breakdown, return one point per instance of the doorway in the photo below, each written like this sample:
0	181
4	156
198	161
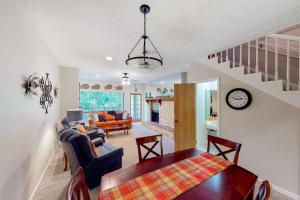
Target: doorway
136	106
207	112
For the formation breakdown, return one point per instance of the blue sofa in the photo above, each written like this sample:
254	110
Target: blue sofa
78	149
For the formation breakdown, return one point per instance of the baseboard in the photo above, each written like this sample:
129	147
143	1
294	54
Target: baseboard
43	174
283	191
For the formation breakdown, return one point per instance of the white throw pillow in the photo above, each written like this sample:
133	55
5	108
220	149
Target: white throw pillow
125	115
95	117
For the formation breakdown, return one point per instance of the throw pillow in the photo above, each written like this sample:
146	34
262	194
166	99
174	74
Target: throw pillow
125	115
80	128
101	118
113	113
119	116
109	117
95	117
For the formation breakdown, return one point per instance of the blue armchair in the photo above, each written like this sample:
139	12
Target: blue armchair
91	131
78	149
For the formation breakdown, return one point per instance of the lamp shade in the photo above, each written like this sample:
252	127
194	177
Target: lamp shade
75	115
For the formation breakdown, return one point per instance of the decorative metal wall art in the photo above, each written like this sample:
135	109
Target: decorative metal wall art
95	87
31	84
34	82
46	99
119	87
108	87
85	86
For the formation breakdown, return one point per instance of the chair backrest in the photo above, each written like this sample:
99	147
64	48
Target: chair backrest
155	139
264	192
65	122
78	187
82	147
233	146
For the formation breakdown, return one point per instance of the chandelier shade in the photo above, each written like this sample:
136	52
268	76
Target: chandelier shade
146	59
125	79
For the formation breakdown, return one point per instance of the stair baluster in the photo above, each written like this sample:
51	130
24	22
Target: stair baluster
256	55
266	59
249	55
288	66
241	55
276	59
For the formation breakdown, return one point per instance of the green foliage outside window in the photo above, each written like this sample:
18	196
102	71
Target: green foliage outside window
101	101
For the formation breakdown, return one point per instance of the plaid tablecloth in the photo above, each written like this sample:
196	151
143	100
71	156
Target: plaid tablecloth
170	181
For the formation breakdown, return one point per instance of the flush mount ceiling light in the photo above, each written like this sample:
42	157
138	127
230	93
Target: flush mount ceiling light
108	58
149	58
125	79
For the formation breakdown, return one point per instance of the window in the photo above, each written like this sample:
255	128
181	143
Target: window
100	101
136	106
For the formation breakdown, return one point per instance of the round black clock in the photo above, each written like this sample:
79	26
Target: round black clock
238	98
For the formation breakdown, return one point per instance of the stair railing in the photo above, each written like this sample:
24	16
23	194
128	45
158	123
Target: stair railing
237	57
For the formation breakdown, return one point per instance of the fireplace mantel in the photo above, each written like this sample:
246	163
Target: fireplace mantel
159	99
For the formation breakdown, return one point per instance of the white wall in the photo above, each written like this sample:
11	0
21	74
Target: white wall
69	89
28	135
269	131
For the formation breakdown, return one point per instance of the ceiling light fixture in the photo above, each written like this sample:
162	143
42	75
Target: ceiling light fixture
108	58
125	79
148	59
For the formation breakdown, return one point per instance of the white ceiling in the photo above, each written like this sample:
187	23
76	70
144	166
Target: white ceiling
167	80
80	33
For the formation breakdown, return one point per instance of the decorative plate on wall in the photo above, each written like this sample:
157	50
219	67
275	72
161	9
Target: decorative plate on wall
238	98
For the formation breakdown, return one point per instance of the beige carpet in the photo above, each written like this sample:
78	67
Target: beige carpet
54	183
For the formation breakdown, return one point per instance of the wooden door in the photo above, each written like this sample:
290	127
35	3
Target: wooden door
185	116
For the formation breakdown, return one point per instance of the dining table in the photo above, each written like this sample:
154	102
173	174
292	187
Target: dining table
233	183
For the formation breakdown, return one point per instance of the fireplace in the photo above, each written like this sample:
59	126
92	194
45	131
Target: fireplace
155	116
160	110
155	112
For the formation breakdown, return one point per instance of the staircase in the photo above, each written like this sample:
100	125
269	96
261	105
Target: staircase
270	64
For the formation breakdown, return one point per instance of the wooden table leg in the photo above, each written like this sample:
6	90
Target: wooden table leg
106	133
66	161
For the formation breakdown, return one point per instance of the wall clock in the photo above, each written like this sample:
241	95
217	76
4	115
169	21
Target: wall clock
238	98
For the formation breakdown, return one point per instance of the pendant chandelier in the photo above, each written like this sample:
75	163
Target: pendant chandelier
147	59
125	79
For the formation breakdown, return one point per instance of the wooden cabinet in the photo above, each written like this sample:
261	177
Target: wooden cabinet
185	116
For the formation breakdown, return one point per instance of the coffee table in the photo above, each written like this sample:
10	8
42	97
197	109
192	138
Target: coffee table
112	128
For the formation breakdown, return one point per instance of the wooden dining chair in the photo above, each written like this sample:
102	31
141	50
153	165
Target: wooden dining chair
233	146
78	187
264	191
149	139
